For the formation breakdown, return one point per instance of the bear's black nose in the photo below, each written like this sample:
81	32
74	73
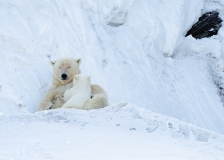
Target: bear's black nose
63	76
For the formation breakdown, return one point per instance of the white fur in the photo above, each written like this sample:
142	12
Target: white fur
98	101
79	94
99	98
54	97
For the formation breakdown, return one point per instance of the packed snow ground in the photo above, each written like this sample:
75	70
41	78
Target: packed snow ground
137	51
120	132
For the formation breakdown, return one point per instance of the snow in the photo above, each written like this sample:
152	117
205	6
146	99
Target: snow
137	51
122	131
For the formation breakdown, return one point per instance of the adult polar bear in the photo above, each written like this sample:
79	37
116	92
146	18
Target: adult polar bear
64	70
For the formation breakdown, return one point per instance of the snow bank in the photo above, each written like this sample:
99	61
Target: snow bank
123	114
135	49
120	131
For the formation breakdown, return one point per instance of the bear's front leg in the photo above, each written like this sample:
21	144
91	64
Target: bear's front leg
58	101
45	105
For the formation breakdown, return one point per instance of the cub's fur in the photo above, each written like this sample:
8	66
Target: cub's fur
79	94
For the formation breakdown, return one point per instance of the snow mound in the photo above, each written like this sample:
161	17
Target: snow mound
125	113
112	132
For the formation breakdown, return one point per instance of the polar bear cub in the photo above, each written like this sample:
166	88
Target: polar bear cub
79	94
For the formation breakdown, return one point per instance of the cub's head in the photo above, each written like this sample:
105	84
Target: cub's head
81	79
64	69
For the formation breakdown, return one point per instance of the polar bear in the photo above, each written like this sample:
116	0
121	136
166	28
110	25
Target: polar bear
79	94
64	70
98	98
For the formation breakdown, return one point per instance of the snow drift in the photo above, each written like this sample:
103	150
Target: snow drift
122	131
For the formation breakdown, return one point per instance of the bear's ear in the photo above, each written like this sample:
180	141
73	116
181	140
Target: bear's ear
79	61
52	63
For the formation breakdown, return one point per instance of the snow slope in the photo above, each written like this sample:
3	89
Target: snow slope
137	51
141	61
121	131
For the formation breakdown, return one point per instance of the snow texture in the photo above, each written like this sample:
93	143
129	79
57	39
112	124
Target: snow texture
122	131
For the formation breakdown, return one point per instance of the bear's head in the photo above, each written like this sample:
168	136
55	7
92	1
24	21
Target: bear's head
81	79
64	69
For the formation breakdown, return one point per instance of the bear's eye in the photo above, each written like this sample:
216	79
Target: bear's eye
59	67
69	67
